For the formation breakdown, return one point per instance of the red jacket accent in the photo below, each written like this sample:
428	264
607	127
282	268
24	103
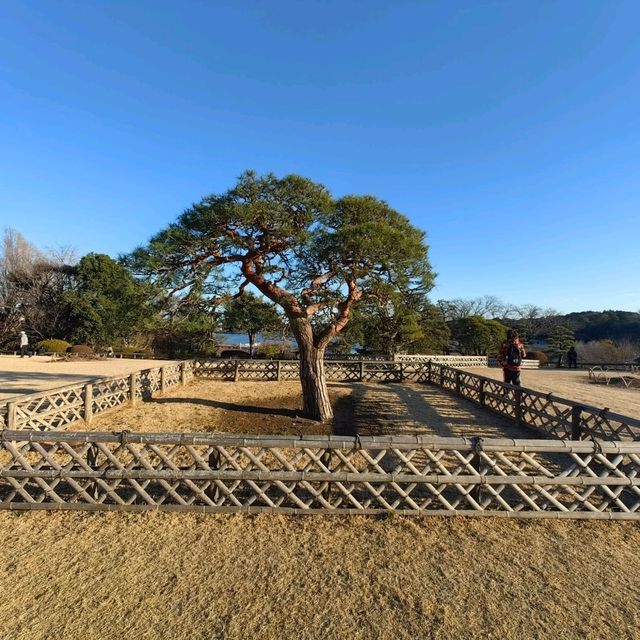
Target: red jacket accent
502	355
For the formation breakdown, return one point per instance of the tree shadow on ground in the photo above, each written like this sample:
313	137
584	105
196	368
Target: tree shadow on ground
343	423
394	409
231	406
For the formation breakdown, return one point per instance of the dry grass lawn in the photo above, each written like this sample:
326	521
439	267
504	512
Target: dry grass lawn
275	408
164	576
216	406
170	576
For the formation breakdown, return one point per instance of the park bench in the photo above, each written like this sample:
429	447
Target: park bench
600	375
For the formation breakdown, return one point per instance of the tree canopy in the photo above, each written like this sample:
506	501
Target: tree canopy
396	322
314	256
248	314
106	302
474	335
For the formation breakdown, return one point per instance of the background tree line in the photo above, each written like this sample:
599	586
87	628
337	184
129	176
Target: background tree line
96	300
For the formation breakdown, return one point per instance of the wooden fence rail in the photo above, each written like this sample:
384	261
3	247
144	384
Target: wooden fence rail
339	370
554	416
320	474
59	408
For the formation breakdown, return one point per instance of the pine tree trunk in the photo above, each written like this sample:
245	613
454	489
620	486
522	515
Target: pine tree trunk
315	395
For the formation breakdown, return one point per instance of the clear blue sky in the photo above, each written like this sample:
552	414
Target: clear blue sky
509	131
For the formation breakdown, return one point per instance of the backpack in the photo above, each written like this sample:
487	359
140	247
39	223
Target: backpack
514	357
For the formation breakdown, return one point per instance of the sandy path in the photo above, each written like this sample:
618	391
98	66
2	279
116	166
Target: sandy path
19	376
575	385
187	576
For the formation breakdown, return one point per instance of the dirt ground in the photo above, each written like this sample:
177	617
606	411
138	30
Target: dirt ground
575	385
275	408
19	376
216	406
186	576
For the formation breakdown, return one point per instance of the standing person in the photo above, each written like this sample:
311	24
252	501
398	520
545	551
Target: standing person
510	357
24	344
572	357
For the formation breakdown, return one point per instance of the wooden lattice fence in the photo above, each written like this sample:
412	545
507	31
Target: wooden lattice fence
450	361
554	416
335	371
64	406
320	474
573	475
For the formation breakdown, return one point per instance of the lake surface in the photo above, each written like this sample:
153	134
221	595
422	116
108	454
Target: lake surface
242	340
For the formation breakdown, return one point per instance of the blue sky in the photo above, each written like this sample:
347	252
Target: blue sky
509	131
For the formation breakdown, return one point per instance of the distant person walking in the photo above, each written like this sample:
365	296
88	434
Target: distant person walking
24	344
510	357
572	358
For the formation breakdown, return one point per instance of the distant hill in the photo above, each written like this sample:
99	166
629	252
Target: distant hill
603	325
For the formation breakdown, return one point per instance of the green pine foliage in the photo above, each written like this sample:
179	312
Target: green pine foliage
106	302
475	335
249	314
562	338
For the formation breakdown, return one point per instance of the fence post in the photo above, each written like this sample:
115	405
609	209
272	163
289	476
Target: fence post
442	376
325	459
163	380
429	370
92	460
457	383
133	388
476	462
11	415
518	407
212	491
278	370
88	403
576	423
183	373
401	372
361	370
235	371
481	396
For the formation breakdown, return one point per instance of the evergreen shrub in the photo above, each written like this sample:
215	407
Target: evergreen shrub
81	349
272	352
53	345
541	356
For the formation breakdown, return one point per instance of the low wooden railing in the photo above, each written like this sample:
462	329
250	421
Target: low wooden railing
320	474
525	364
451	361
61	407
551	415
554	416
335	371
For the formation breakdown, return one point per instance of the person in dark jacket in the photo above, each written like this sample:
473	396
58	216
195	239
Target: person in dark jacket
572	358
511	355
